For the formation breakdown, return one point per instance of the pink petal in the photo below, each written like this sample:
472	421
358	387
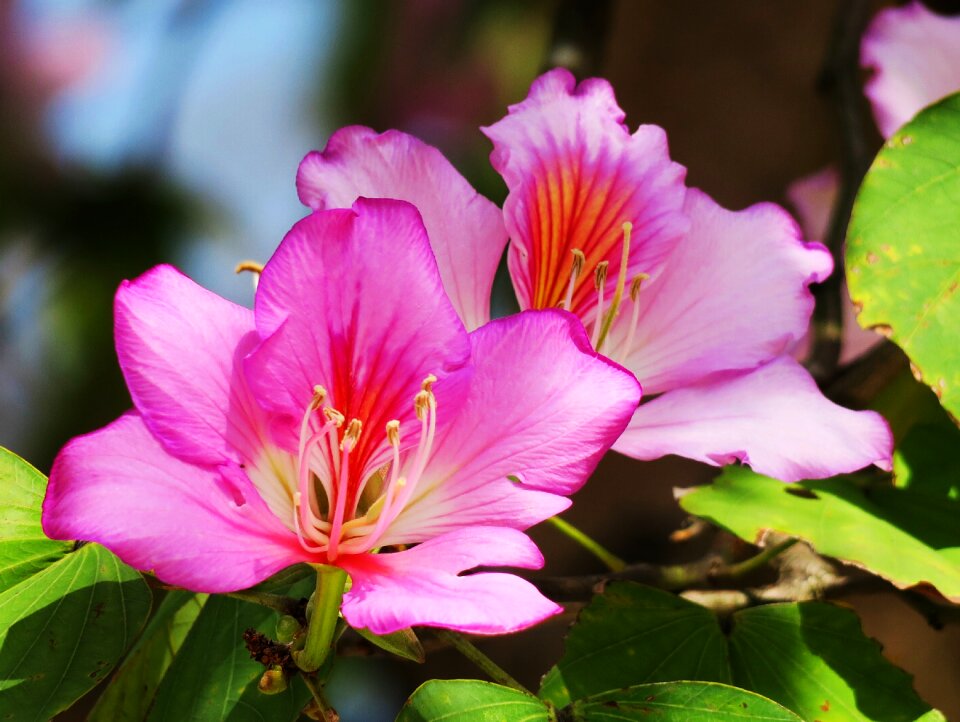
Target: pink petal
423	586
774	418
542	406
733	295
203	529
466	230
915	58
352	301
575	175
179	346
812	197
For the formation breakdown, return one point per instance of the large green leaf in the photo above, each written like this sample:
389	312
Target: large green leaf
470	700
63	629
906	536
809	657
680	702
903	259
815	659
130	693
632	635
24	550
213	679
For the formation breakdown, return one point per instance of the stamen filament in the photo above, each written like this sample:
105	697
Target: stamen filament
578	262
634	314
334	543
600	281
607	321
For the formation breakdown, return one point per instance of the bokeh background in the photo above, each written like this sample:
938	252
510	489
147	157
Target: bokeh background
134	132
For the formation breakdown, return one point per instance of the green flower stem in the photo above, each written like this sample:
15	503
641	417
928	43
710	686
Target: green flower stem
491	668
322	625
611	560
316	689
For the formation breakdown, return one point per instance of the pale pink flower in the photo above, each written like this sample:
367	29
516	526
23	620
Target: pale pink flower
707	303
914	56
348	413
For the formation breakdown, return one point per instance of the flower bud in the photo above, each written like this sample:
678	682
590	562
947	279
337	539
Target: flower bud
273	681
287	629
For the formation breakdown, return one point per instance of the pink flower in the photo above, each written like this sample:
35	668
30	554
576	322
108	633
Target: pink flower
701	303
915	58
349	412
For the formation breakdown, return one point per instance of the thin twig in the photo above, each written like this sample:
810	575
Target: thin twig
841	80
609	559
482	661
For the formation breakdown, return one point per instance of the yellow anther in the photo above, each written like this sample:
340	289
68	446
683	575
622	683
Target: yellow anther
401	482
421	401
351	435
600	275
393	432
428	383
251	266
335	416
636	283
578	262
319	395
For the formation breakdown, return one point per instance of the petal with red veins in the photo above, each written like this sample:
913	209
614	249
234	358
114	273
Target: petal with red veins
199	528
773	418
423	586
542	406
352	301
733	295
575	175
466	230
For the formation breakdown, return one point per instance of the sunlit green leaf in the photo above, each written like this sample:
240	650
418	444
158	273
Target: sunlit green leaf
903	260
470	700
24	550
631	635
128	696
680	702
63	629
906	536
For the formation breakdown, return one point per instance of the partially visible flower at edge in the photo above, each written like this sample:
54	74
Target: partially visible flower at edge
913	56
348	413
701	303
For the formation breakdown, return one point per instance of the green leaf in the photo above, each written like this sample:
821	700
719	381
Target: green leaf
633	634
681	702
63	629
815	659
906	536
128	696
810	657
212	677
403	643
470	700
903	264
24	550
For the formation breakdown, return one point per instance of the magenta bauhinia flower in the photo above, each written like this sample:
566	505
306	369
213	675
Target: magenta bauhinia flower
701	303
347	416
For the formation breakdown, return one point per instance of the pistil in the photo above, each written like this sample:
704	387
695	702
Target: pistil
605	322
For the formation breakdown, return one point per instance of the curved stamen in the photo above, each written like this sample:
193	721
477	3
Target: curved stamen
576	269
635	285
599	280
